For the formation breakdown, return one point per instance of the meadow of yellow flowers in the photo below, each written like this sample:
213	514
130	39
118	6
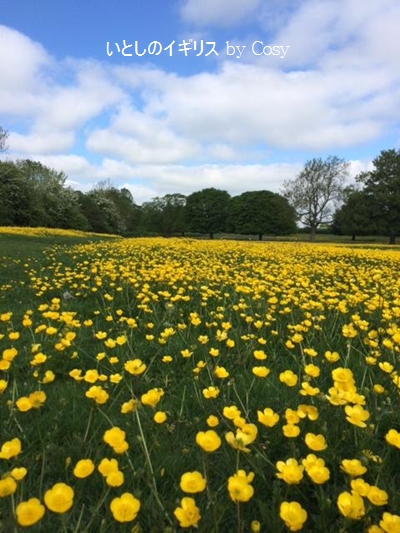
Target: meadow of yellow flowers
161	385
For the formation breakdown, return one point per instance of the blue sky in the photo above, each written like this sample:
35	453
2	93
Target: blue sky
172	122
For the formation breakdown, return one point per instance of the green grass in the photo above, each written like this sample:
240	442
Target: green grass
261	297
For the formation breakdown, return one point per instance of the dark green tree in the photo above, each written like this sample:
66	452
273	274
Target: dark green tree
261	212
315	192
165	215
16	204
382	186
207	211
357	215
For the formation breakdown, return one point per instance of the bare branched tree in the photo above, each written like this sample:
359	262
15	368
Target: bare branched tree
317	190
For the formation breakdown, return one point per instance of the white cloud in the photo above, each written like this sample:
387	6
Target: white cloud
161	132
20	59
223	13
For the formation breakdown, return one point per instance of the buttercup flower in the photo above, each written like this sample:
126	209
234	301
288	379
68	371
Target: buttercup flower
293	515
160	417
351	505
316	443
208	441
59	498
107	466
125	508
8	486
10	449
239	487
390	523
115	437
83	468
290	471
29	512
188	513
192	482
268	417
353	467
393	437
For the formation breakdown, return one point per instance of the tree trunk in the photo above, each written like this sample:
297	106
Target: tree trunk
260	235
392	239
211	235
353	237
313	232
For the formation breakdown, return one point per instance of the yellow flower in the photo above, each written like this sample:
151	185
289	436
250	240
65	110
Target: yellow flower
211	392
261	371
135	367
231	412
152	397
8	486
59	498
188	513
353	467
48	377
390	523
208	441
316	469
212	421
19	473
360	486
289	378
239	487
351	505
312	370
115	437
107	466
83	468
129	406
3	385
23	404
29	512
356	415
125	508
332	357
192	482
377	496
290	471
291	431
115	478
268	417
293	515
316	443
98	394
10	449
220	372
160	417
393	437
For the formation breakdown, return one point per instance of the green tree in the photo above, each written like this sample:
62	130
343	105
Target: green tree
207	211
316	190
382	186
261	212
16	204
357	215
165	215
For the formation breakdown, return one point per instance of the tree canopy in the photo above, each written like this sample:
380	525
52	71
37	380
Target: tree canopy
382	186
315	192
260	213
207	211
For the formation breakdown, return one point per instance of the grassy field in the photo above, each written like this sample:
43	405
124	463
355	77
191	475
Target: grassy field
161	385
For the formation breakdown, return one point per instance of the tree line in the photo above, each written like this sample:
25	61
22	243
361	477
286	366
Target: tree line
32	194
